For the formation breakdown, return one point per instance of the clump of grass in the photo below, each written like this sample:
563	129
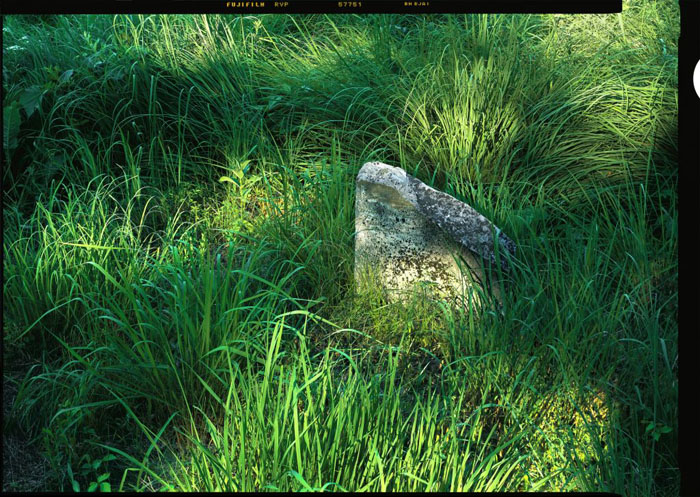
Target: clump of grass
305	422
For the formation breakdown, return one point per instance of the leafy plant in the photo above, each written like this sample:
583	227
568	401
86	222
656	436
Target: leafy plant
90	471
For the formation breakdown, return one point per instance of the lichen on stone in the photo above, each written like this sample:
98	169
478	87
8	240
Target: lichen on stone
412	234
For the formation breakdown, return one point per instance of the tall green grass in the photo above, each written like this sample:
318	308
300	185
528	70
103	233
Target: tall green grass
178	251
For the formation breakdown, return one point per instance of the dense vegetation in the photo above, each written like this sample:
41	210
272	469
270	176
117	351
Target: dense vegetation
179	309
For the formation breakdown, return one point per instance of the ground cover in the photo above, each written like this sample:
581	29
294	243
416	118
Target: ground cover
179	309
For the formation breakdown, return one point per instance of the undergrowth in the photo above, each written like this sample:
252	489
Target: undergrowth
179	308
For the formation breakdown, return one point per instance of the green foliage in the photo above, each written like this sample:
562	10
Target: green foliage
88	471
178	251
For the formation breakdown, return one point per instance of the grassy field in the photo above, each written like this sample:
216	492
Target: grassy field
179	309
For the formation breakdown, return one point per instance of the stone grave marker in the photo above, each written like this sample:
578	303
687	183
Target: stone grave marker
410	236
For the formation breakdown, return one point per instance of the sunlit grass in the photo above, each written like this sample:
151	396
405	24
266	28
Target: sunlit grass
178	251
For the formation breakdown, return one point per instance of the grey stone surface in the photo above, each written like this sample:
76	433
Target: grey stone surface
410	235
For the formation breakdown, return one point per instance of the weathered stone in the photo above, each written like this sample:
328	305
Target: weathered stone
408	234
